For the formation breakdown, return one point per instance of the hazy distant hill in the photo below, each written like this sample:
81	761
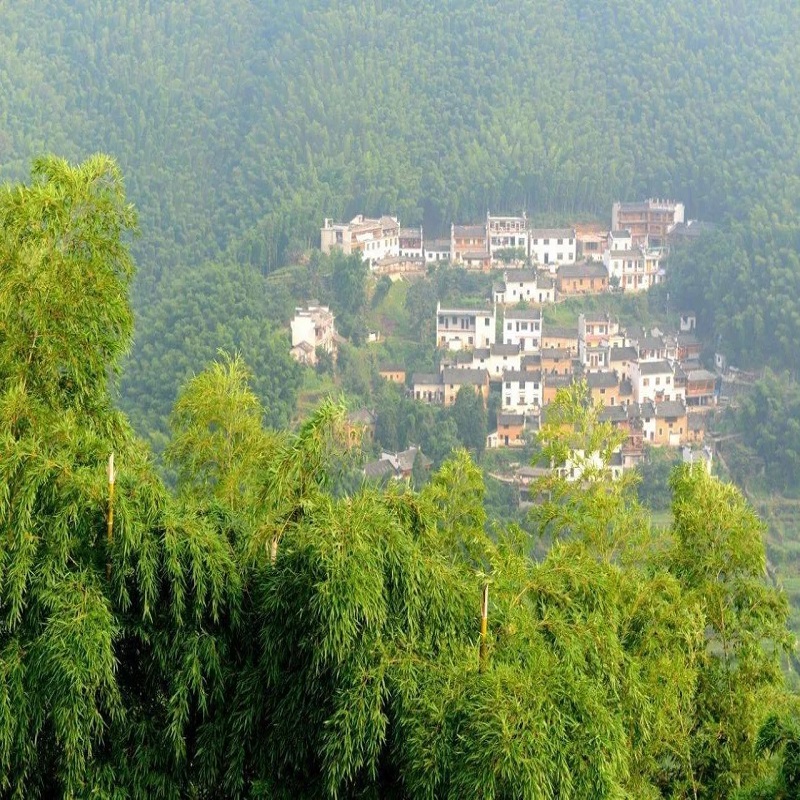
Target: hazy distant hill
239	124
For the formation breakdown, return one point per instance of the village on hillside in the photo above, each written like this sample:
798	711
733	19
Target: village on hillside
651	383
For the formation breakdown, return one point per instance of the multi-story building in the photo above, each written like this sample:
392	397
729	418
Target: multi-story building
558	336
524	285
394	373
700	388
590	241
620	360
510	430
649	222
522	391
437	250
496	359
652	380
312	328
464	328
523	327
508	233
551	247
556	361
469	244
427	387
672	427
454	380
604	388
635	269
411	243
586	278
373	238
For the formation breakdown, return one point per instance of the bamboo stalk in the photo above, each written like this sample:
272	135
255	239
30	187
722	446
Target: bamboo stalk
484	626
112	478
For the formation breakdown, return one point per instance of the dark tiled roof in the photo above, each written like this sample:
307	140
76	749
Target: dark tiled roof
613	414
504	349
510	419
555	352
670	408
701	375
362	416
464	377
552	233
531	360
425	377
559	332
601	380
623	354
378	469
523	313
469	230
521	275
655	368
591	269
521	375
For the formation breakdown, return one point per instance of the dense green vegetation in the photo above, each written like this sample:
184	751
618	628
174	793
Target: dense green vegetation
258	632
241	124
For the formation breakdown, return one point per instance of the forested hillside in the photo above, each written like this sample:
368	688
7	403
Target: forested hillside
241	124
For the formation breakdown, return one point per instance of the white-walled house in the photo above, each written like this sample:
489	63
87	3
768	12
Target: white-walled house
526	285
495	359
373	238
312	327
464	328
552	247
522	391
507	232
652	380
523	327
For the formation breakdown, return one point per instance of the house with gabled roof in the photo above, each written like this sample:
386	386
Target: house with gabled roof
427	388
620	360
672	427
551	247
649	221
453	380
603	388
507	233
523	327
652	380
464	328
374	239
588	277
469	245
522	391
510	431
561	337
501	357
394	373
701	388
